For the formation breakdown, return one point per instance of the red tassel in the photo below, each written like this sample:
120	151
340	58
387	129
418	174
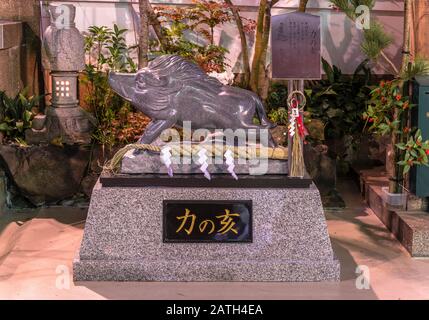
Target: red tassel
301	128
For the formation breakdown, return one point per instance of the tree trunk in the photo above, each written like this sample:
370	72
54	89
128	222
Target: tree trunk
263	78
244	49
407	35
422	28
254	77
153	20
144	33
302	5
397	179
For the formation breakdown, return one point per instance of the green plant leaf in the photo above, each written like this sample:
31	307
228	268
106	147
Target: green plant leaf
406	169
27	116
4	127
328	71
401	146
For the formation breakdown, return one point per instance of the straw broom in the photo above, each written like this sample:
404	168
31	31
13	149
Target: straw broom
297	166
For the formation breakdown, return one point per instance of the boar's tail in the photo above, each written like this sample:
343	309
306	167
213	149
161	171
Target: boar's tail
260	110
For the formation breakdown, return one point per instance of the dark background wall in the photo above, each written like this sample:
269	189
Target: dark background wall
27	11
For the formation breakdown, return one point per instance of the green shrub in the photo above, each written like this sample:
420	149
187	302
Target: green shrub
17	113
200	20
339	100
106	50
277	97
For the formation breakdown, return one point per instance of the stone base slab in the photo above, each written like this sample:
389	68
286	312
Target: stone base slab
150	163
198	271
123	238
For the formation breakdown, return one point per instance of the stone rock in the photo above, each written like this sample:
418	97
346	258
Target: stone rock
320	167
88	184
67	203
372	150
280	135
100	156
316	129
38	122
33	136
45	174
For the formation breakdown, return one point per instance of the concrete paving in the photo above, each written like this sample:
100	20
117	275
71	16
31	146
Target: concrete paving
37	248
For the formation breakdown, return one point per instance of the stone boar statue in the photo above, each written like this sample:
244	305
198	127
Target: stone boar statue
172	90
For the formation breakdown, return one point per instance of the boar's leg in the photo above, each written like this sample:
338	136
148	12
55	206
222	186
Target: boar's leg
154	130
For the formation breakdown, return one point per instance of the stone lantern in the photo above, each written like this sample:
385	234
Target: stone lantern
64	56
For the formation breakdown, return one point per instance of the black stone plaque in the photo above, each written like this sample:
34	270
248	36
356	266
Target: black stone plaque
207	221
295	41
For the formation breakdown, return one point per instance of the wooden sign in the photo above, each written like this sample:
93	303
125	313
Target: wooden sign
295	41
207	221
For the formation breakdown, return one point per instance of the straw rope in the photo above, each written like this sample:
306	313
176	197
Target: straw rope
187	150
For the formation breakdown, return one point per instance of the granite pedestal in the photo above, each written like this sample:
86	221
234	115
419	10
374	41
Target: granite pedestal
123	238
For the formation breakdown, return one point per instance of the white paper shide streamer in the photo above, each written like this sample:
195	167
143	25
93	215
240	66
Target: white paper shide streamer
166	159
202	160
229	160
292	122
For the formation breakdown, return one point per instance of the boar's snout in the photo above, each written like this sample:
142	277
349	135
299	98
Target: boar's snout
123	84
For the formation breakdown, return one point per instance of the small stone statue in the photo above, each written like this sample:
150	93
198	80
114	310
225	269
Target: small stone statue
172	90
64	56
62	42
